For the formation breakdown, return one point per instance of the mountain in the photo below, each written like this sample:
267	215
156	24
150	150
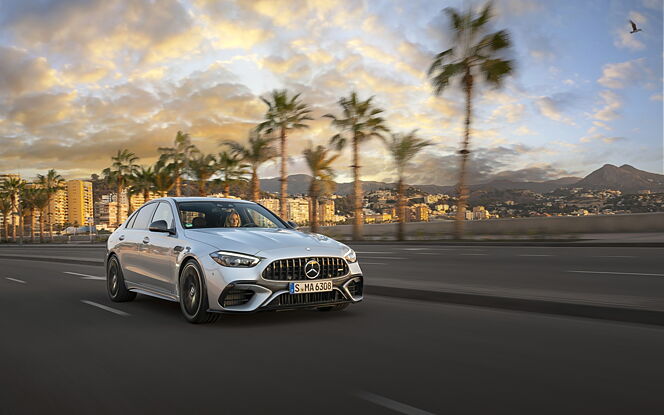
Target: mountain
625	178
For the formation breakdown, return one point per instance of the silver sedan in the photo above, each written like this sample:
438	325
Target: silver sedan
227	255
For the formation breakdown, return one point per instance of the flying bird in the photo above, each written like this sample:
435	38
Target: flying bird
634	29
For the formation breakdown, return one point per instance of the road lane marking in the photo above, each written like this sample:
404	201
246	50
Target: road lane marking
86	276
535	255
472	254
614	256
16	280
427	253
103	307
415	249
619	273
392	404
374	263
372	252
383	257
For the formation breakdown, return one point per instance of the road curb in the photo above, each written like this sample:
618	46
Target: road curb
597	311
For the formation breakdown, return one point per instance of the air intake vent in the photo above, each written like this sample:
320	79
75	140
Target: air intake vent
292	269
285	300
236	296
355	288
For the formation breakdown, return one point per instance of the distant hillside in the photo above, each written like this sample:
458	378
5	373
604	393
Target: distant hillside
625	178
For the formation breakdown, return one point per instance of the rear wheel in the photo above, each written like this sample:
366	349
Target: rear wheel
338	307
117	290
193	296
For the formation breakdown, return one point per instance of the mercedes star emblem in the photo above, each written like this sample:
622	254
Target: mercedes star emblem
312	269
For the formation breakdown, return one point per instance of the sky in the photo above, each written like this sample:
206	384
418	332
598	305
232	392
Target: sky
81	79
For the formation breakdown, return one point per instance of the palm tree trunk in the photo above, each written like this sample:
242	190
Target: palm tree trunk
41	226
32	226
463	190
357	194
201	188
227	188
255	186
13	200
118	215
50	219
313	220
283	178
21	224
146	196
178	183
5	223
401	210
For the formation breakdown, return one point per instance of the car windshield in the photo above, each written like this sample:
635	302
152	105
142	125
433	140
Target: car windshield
217	214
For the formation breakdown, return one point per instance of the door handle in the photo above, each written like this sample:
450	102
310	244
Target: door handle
146	240
121	237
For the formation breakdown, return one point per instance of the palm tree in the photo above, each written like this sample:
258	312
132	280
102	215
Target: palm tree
162	178
51	183
122	169
403	148
201	169
5	211
179	156
361	120
13	186
41	203
284	114
143	182
475	54
28	209
232	169
257	151
320	162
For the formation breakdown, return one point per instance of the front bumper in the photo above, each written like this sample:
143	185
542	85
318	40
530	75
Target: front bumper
248	296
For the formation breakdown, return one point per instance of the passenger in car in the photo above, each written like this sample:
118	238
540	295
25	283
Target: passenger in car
198	222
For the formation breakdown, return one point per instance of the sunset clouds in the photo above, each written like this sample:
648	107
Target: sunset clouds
80	79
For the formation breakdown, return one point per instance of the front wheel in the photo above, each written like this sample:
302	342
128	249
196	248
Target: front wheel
193	296
117	290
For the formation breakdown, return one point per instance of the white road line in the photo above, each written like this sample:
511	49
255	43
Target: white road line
16	280
392	404
472	254
103	307
619	273
428	253
374	263
86	276
384	257
535	255
415	249
614	256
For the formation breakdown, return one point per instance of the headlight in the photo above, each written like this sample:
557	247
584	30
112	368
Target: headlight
350	256
233	259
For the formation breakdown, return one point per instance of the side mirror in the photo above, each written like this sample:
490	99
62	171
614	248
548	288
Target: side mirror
161	226
292	224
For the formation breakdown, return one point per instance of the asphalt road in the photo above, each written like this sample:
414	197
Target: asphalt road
61	351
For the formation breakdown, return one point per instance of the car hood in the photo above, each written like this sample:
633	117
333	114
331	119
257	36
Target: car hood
266	241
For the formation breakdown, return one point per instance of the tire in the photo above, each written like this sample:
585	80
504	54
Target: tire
115	285
193	295
338	307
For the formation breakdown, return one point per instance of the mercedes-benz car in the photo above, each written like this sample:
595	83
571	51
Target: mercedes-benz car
227	256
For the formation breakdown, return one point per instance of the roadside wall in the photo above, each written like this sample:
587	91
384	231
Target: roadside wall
555	225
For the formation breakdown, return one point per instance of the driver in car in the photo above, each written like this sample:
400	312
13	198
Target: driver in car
233	220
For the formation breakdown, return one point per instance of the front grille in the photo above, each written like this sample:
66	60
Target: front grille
236	296
306	299
293	268
355	288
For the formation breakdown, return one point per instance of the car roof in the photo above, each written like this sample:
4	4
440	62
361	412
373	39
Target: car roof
202	199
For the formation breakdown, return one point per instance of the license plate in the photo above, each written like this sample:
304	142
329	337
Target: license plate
310	287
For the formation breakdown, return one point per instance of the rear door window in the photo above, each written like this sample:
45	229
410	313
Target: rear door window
144	216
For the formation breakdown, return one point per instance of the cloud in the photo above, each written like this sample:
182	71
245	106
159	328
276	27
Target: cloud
623	74
524	130
611	103
510	112
550	107
21	73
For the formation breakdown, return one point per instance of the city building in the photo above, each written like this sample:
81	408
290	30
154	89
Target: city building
480	212
271	204
326	213
297	210
80	207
